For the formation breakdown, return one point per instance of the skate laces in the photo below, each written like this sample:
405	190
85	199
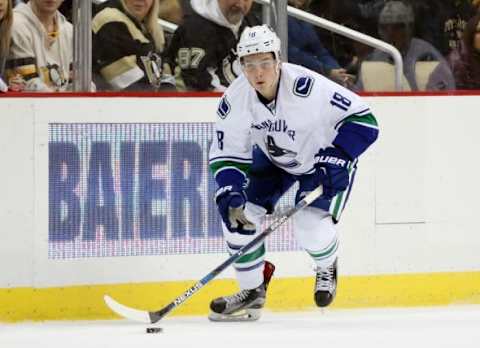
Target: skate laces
324	278
238	297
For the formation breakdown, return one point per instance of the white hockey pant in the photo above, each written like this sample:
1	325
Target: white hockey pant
313	228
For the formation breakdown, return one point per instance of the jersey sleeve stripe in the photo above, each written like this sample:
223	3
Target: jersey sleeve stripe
220	166
366	124
363	112
354	137
364	120
230	159
230	175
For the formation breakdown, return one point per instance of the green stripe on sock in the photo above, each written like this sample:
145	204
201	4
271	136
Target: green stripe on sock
327	256
253	255
324	254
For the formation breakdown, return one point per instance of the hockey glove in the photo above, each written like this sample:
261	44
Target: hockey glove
332	169
231	203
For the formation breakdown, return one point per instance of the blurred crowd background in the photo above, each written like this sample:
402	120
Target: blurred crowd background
439	41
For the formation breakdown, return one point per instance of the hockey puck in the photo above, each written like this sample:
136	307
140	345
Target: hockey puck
154	329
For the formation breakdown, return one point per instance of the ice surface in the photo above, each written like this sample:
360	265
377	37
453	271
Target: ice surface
453	327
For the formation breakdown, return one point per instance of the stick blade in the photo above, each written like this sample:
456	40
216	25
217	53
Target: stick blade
127	312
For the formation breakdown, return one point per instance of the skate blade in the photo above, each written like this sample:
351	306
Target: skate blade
250	314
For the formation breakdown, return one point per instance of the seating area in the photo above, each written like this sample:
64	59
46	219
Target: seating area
132	50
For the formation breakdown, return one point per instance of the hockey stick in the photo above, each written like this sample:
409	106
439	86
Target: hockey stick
153	317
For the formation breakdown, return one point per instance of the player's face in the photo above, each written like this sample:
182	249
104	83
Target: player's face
234	10
139	8
47	6
262	71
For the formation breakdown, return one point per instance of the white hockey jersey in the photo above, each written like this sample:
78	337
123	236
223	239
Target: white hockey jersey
44	62
305	117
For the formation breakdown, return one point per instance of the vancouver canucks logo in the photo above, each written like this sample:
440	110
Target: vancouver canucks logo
280	156
224	108
303	86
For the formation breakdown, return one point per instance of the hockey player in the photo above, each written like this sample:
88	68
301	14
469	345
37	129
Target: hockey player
278	124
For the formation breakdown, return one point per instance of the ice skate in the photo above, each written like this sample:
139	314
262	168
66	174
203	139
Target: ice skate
245	305
326	285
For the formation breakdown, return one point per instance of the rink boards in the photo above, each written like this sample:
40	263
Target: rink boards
112	195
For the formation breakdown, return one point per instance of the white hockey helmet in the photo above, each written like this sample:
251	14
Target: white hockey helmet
258	39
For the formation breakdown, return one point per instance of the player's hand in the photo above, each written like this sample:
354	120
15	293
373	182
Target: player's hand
332	166
342	77
231	203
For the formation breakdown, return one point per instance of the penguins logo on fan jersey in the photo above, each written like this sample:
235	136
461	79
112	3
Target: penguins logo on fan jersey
276	151
303	86
231	66
153	68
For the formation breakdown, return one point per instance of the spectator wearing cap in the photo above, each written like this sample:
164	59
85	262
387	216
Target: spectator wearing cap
395	26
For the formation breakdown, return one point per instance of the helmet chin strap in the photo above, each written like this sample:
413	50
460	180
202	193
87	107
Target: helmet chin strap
277	67
277	71
277	78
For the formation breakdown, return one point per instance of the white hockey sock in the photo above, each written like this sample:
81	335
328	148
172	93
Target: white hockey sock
249	268
316	233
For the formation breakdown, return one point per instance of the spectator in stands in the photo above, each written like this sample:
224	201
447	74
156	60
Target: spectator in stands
305	48
442	22
361	15
127	47
396	24
41	51
203	47
466	69
368	13
6	18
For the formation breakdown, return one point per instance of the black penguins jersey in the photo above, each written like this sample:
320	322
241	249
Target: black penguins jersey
124	53
203	53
